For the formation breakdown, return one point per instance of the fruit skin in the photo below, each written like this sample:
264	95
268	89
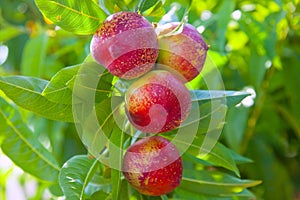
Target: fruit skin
153	166
157	102
126	44
182	53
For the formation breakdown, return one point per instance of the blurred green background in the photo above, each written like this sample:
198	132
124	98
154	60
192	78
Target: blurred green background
255	45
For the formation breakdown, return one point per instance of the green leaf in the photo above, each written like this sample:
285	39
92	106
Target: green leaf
58	89
239	159
91	77
95	118
164	197
55	189
211	77
155	11
187	195
271	41
204	118
204	123
270	169
126	195
80	17
116	156
97	125
229	98
234	159
235	130
100	195
105	86
257	68
26	92
108	6
214	183
146	4
98	183
218	155
75	176
34	55
9	32
204	126
22	147
224	17
95	108
92	81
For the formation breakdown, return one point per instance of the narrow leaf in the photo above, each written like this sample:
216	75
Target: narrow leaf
34	55
204	118
220	156
187	195
9	32
26	92
116	156
155	11
146	4
214	183
79	17
204	126
217	155
75	176
224	17
22	147
229	98
239	159
125	190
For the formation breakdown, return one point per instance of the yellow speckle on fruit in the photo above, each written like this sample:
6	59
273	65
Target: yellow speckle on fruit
146	181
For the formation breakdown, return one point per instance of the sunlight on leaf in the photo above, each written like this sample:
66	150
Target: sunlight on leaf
80	17
22	146
26	92
75	176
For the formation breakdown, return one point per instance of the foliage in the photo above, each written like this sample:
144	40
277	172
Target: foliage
44	79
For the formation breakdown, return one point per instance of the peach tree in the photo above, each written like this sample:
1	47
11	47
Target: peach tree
147	102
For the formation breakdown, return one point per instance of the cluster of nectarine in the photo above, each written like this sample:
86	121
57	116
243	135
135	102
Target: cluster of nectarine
161	60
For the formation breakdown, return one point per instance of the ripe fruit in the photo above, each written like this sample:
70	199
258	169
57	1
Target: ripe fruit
157	102
182	53
153	166
126	44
